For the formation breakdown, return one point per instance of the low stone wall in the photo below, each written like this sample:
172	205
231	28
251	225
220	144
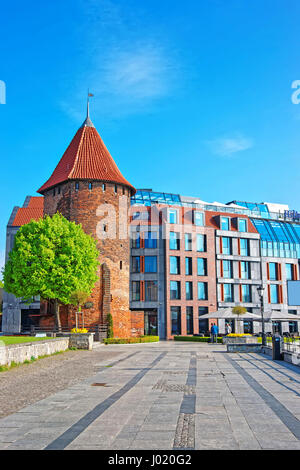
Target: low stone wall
244	347
239	340
81	340
25	351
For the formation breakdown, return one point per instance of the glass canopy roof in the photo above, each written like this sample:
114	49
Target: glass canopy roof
146	198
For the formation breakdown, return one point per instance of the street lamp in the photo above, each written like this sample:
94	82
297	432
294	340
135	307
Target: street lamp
260	291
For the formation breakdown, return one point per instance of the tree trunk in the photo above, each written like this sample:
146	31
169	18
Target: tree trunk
57	315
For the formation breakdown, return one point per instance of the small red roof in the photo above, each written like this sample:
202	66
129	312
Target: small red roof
86	158
33	211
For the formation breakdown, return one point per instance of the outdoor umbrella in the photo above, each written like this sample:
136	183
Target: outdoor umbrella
227	313
280	316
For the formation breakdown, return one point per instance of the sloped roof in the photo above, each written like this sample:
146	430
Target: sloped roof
34	210
86	158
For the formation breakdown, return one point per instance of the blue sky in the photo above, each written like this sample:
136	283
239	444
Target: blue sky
190	97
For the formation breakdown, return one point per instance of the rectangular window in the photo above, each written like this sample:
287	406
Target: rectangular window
188	242
189	290
242	225
227	269
174	265
198	218
244	247
174	242
188	266
202	290
175	290
201	266
173	216
135	264
289	269
273	271
246	293
150	264
189	321
135	240
176	320
228	292
226	245
201	242
245	270
225	224
274	294
136	295
150	239
151	291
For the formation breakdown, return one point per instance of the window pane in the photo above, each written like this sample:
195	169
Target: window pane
289	272
244	247
174	290
174	265
188	266
174	242
201	267
227	269
245	270
189	290
202	291
226	245
176	320
225	223
172	216
150	264
228	297
274	293
188	241
201	242
246	294
189	321
273	271
135	264
150	240
199	218
151	291
242	225
135	290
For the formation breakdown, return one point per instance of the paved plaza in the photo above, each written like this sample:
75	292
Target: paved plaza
166	396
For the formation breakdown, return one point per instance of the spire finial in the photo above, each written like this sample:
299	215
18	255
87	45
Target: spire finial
87	121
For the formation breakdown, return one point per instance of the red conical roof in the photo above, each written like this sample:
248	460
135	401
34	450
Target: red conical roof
86	158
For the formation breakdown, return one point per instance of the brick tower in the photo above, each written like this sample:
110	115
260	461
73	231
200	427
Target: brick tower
87	187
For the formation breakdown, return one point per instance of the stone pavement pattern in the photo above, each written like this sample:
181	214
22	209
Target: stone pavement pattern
167	396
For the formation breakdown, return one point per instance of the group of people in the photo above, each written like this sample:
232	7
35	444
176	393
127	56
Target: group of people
215	330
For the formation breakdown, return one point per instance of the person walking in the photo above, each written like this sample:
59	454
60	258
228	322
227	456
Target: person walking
228	329
214	333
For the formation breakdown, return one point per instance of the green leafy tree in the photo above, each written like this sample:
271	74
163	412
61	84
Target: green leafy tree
52	258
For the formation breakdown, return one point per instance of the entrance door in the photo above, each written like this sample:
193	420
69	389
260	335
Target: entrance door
28	318
151	323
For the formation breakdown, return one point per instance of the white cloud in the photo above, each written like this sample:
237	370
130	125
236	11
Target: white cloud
127	68
228	146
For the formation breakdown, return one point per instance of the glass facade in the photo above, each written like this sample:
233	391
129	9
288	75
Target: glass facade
146	198
278	239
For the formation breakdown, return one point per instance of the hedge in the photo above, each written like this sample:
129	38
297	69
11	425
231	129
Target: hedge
200	339
141	339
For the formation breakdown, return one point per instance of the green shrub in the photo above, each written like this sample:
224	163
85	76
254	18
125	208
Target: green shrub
199	339
141	339
110	326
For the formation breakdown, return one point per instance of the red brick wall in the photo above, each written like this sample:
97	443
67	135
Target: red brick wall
111	291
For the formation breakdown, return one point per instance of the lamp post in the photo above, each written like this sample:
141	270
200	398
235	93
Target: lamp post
260	291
